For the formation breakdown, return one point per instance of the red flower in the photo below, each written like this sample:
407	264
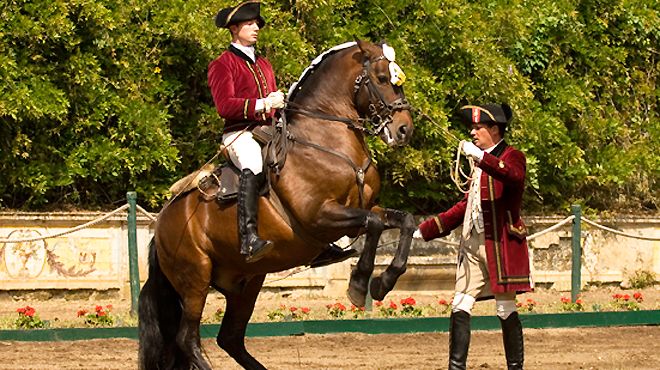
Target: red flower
565	300
626	297
578	301
410	301
638	296
108	307
27	311
82	313
100	313
378	303
305	310
518	304
98	308
443	302
393	305
340	306
293	309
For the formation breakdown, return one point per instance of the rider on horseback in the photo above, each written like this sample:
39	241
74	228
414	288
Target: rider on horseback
245	95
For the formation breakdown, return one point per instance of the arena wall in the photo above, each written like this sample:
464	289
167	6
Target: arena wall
96	257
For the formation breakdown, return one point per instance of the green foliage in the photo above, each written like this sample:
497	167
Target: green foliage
641	279
100	97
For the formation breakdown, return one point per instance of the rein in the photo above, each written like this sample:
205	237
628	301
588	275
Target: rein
380	115
457	175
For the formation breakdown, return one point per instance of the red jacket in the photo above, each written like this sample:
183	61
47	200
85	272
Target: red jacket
236	83
502	184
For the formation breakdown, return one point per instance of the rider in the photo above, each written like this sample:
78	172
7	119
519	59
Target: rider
245	95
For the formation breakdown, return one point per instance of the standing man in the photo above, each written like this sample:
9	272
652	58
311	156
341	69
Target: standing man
245	95
492	258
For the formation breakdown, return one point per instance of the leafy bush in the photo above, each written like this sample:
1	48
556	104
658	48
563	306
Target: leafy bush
101	97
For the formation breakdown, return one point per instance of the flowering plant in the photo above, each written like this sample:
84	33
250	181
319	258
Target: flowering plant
28	319
277	314
387	311
299	313
527	306
624	301
408	307
444	306
219	314
336	310
99	317
568	306
357	312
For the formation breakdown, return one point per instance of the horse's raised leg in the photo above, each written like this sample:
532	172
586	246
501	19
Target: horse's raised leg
231	336
357	286
405	222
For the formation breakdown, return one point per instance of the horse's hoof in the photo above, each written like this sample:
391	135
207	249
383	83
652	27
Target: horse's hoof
357	298
375	289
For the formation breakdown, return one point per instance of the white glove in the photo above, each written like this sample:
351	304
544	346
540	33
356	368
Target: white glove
472	150
418	234
275	100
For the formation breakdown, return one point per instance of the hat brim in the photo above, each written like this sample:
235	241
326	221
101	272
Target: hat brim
243	12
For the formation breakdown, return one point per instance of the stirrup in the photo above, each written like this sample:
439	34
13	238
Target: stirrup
258	249
333	254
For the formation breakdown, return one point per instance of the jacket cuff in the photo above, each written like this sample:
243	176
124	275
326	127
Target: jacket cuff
431	228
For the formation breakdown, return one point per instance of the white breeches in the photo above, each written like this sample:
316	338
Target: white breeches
244	151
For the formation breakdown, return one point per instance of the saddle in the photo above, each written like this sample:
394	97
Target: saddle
222	182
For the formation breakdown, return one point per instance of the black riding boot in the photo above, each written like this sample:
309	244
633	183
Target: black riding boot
248	200
513	341
459	339
332	254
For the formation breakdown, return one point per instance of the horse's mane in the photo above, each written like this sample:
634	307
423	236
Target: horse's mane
296	86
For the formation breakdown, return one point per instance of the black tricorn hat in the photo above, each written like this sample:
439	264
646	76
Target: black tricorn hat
242	12
490	114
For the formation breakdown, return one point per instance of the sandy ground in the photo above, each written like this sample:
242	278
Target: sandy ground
593	348
583	348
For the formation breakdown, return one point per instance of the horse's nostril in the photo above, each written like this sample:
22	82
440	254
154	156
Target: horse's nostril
403	131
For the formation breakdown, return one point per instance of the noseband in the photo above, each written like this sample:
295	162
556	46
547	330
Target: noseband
380	112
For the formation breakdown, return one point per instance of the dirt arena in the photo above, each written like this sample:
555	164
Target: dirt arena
593	348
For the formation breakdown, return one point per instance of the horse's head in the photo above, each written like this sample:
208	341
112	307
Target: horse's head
379	94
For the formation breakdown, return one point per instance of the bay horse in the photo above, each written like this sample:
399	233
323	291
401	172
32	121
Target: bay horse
327	189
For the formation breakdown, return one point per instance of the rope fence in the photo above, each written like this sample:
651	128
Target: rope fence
134	208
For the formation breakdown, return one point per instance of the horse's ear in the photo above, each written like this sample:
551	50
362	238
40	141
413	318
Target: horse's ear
364	47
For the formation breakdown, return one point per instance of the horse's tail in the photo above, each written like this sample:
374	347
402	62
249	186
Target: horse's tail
159	314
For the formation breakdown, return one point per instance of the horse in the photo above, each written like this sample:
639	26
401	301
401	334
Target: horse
327	189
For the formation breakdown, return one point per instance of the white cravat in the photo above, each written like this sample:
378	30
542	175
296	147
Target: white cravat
474	216
247	50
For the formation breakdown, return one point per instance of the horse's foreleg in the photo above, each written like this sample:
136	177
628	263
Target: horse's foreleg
405	222
231	336
357	287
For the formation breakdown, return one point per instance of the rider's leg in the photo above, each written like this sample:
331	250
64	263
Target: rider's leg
245	153
459	330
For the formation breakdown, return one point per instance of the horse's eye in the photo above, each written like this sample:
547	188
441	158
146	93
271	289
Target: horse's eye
382	79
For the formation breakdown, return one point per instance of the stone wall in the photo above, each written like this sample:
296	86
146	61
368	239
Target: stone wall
97	257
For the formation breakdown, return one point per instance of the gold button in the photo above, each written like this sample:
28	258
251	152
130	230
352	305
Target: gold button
501	164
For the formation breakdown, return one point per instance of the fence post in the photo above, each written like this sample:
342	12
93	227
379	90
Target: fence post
134	272
576	265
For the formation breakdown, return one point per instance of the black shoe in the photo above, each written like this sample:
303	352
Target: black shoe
459	339
257	248
513	341
253	247
332	254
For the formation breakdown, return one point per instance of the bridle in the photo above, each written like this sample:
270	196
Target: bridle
380	113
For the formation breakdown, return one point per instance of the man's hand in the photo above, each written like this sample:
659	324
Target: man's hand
472	150
275	100
418	235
